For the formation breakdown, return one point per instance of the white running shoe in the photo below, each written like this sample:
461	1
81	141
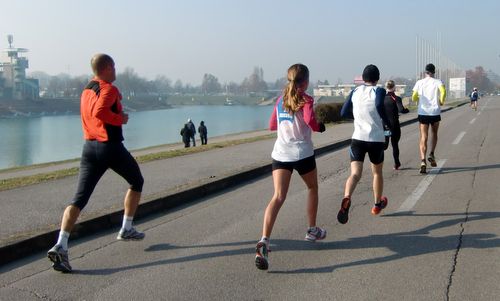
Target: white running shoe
131	234
261	256
315	234
60	260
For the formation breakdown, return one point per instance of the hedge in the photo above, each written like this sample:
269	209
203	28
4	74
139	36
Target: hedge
328	112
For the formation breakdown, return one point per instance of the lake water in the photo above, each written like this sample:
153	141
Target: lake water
26	141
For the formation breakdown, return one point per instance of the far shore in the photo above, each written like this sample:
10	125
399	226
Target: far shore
71	105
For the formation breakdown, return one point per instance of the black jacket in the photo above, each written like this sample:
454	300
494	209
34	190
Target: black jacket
393	106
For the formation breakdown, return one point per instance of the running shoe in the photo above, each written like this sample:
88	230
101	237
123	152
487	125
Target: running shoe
315	234
397	166
423	168
261	260
60	260
131	234
343	215
432	160
378	207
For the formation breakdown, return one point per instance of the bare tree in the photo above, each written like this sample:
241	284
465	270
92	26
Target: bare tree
210	84
162	84
478	78
255	82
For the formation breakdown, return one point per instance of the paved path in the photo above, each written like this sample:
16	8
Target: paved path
440	242
31	210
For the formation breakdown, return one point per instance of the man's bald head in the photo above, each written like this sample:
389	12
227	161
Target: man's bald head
100	62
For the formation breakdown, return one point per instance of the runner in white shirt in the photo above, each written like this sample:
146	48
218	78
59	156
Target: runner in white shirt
293	118
365	105
430	94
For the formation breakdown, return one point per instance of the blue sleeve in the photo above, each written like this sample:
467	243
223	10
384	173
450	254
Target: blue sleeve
346	111
379	104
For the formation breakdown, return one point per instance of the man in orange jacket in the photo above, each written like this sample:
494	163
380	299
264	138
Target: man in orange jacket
102	119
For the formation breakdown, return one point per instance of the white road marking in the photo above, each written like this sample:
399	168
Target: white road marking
413	198
472	121
459	137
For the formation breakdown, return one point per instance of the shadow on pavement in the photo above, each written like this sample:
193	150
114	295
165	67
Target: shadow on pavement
445	170
402	244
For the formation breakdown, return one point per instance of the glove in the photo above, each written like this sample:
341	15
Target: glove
387	131
321	127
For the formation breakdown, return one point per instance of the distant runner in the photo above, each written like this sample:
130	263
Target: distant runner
430	94
393	106
474	96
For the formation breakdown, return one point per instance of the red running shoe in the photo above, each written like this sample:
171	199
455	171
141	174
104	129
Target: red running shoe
343	215
378	207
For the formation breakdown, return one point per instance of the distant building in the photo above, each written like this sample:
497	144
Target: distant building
13	81
344	90
333	90
358	80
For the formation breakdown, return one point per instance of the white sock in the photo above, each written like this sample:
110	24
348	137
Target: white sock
63	239
127	222
265	240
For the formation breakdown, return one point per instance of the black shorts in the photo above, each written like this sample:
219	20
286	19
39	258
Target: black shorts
427	119
97	157
302	166
359	148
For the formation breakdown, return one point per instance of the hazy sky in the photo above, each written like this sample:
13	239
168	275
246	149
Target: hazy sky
186	38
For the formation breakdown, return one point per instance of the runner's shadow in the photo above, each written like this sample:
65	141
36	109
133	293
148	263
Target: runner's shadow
445	170
412	243
402	244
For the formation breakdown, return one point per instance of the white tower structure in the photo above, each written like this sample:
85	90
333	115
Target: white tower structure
13	70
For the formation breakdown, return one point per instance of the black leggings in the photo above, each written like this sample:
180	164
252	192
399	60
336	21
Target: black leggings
97	157
396	135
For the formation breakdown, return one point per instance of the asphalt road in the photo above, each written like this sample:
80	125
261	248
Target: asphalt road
437	240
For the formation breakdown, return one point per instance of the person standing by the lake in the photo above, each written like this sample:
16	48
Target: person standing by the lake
192	129
293	118
186	135
202	130
102	118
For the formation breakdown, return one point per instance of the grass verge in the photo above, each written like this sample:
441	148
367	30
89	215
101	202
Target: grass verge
12	183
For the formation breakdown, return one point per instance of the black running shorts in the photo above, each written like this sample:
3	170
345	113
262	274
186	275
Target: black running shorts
359	148
302	166
97	157
427	119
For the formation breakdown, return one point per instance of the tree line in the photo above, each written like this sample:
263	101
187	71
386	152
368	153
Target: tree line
478	78
132	84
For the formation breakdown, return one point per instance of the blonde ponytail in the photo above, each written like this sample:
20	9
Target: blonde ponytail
293	98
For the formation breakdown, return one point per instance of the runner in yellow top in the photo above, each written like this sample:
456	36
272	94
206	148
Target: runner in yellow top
430	94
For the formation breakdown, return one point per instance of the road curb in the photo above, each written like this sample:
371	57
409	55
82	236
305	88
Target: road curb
44	241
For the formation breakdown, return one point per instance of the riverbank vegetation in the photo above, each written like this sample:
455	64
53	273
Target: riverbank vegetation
12	183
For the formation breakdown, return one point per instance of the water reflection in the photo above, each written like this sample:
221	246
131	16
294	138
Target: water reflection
26	141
